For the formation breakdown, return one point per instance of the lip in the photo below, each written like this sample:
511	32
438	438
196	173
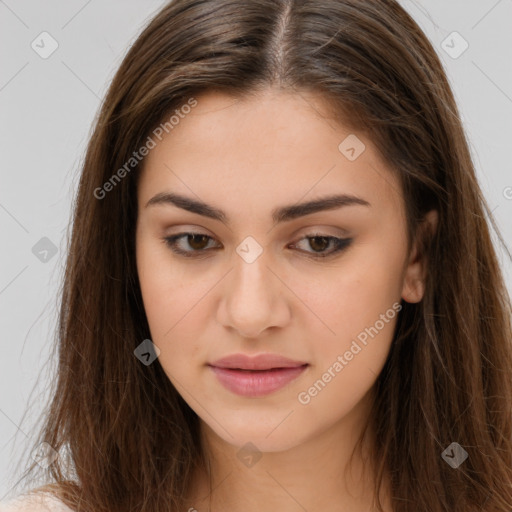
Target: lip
259	362
256	376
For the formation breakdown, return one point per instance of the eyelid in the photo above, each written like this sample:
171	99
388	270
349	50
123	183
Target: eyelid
304	232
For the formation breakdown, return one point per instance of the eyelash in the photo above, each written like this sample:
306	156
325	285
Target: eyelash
340	244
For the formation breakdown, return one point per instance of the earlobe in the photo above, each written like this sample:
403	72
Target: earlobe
416	271
413	290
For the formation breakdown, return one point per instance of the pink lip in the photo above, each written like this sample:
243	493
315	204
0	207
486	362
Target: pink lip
256	376
259	362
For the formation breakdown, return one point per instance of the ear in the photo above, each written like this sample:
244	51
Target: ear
416	270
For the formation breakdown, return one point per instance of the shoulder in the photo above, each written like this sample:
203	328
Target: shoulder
34	502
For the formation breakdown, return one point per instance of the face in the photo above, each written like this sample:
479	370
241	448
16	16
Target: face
239	255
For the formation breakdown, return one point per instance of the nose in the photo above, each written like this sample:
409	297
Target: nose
253	298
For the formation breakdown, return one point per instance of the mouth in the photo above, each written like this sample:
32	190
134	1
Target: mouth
257	382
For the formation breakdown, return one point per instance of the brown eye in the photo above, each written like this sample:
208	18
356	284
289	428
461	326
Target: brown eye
319	244
197	243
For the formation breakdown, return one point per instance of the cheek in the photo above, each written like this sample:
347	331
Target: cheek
160	287
351	296
153	283
355	306
350	353
172	302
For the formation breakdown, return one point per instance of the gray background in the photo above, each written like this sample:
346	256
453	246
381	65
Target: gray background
47	109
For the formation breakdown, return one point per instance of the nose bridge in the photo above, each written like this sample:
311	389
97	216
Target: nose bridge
251	294
251	279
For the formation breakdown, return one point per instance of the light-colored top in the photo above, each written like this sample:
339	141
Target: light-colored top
40	502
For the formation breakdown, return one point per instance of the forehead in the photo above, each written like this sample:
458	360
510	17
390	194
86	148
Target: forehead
268	149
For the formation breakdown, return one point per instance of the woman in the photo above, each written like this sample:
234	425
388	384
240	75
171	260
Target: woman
281	290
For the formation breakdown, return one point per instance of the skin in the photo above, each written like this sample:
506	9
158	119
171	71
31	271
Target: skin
248	157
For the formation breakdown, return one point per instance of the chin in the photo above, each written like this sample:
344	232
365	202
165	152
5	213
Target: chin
277	438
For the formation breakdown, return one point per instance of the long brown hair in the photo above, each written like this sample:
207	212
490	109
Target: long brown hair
127	439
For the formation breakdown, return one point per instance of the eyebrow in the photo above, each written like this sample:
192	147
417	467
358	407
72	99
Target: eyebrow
281	214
